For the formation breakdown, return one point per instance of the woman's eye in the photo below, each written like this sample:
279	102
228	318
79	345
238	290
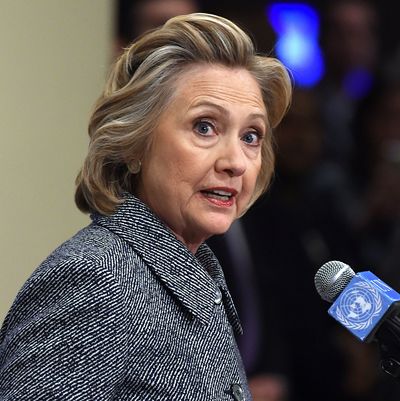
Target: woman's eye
252	138
203	128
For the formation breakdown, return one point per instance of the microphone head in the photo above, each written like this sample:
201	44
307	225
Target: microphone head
332	278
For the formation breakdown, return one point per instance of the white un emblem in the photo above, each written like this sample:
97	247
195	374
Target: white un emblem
358	306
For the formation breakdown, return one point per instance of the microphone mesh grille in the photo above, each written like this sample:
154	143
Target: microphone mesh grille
332	278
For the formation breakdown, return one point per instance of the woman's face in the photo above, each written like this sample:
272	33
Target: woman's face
201	169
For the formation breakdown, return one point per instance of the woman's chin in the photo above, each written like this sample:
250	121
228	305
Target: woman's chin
219	226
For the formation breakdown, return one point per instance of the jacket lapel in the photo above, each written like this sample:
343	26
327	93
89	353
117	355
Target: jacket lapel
192	279
208	259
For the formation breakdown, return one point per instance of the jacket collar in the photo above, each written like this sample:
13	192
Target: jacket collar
192	279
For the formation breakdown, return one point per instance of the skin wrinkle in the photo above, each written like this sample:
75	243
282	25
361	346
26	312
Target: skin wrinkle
204	102
227	92
181	162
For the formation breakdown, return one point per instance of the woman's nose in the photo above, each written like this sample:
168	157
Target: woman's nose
231	158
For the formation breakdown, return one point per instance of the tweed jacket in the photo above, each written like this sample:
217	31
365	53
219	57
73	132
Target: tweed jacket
123	311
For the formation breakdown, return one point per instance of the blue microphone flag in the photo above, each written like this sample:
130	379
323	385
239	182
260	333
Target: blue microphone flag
363	304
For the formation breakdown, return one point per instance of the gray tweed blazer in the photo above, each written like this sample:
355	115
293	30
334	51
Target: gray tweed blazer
123	311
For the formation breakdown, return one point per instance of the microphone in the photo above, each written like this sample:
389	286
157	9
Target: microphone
364	305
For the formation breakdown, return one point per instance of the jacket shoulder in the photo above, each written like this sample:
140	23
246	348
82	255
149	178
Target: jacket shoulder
92	243
69	318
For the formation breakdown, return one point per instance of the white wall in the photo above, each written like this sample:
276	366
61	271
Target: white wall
54	57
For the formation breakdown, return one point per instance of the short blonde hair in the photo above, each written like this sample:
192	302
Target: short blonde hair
141	85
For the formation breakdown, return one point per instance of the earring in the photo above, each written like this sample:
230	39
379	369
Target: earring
135	167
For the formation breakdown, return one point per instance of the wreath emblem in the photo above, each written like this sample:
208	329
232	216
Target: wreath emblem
358	306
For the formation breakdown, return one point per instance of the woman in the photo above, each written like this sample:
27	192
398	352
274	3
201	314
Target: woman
135	305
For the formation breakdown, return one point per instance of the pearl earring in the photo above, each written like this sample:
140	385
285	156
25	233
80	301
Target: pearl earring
135	167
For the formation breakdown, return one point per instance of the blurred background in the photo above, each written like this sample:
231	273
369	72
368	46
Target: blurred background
335	194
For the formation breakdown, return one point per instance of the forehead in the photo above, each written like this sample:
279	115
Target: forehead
216	82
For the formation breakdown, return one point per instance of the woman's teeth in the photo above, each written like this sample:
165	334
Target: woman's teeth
218	194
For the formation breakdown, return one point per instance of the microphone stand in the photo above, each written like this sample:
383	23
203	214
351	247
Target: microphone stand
388	338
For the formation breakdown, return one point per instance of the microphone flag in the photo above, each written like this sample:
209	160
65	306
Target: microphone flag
364	305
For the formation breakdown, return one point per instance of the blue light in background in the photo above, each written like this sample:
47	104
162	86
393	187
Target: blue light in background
357	83
297	28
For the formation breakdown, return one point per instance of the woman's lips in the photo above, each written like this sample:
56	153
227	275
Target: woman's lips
224	197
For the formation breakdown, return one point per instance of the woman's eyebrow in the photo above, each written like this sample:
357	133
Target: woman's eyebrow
207	103
223	110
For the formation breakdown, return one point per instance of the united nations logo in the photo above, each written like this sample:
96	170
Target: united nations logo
358	306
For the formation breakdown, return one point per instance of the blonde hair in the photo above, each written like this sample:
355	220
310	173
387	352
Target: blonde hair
140	86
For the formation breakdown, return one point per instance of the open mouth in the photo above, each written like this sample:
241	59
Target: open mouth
217	194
